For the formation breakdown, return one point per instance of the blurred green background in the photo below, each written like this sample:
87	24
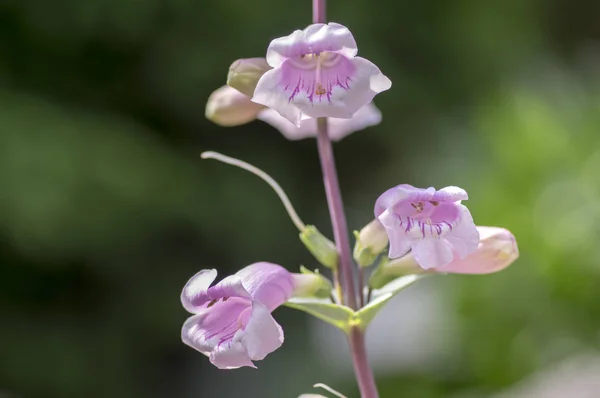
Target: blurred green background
106	208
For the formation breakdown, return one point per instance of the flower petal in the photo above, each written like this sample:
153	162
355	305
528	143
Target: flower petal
262	334
194	293
231	286
401	193
270	93
351	84
231	356
269	284
451	194
214	325
283	48
497	250
331	37
366	116
399	243
465	236
367	82
431	253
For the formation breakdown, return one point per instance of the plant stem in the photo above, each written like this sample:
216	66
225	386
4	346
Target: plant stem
364	374
338	218
319	11
266	178
346	267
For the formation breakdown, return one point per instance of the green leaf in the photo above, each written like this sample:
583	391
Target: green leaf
379	297
338	315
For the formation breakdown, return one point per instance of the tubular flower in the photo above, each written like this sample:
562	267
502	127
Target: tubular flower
432	223
316	73
232	322
365	117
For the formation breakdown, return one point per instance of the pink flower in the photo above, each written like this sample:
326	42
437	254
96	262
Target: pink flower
316	73
432	223
365	117
232	322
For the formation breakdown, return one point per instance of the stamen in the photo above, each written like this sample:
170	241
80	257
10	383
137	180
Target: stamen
320	90
213	302
418	206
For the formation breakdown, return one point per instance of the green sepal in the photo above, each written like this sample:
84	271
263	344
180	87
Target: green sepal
339	316
322	248
363	255
311	284
343	317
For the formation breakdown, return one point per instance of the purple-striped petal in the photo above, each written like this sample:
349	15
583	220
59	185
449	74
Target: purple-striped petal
215	326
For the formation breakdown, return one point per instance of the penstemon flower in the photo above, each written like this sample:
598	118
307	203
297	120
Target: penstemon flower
316	73
433	224
232	322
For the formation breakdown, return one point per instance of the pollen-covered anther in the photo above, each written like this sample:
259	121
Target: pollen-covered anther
418	206
320	90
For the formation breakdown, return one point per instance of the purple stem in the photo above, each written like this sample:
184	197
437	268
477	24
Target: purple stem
346	267
336	211
362	370
319	11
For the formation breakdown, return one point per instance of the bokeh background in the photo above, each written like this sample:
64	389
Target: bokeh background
106	208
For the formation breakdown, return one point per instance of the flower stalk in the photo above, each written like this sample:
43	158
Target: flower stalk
346	267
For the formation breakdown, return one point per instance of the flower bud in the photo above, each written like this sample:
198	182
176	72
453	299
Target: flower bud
322	248
370	242
228	107
311	284
497	250
244	74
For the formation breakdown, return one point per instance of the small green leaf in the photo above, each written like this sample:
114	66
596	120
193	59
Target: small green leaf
365	315
335	314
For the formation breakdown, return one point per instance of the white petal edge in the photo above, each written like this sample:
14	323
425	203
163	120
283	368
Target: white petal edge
197	285
262	334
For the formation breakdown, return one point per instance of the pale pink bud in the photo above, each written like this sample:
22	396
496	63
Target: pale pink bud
228	107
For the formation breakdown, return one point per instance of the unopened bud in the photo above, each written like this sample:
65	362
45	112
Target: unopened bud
311	284
244	74
371	241
322	248
228	107
497	250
